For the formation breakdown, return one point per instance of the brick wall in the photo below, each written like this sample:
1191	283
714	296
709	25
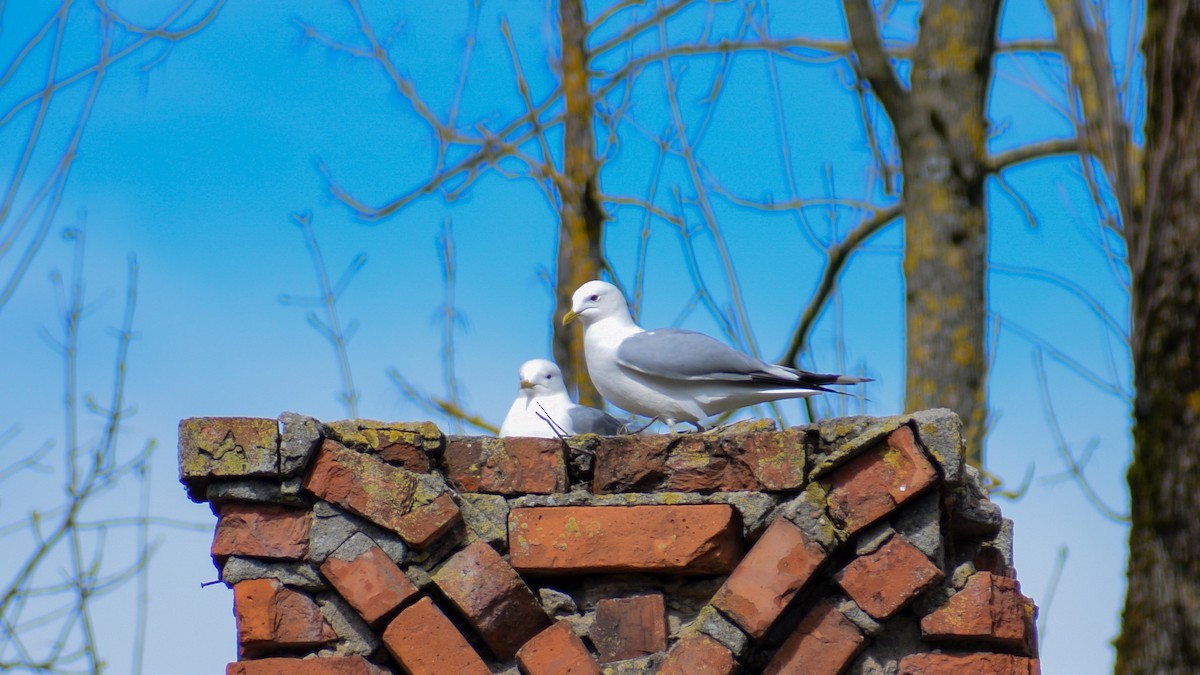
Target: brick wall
856	545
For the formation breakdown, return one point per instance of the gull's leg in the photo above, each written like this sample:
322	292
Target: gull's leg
652	421
699	427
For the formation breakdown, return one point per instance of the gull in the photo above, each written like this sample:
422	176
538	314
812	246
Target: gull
672	374
543	408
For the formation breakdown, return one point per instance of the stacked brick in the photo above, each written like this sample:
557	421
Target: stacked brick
857	545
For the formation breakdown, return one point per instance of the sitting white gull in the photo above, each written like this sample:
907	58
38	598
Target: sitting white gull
672	374
543	408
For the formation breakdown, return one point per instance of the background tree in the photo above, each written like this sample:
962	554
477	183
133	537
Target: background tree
1160	629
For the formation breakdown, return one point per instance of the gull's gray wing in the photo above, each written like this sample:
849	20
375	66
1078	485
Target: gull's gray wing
676	354
587	420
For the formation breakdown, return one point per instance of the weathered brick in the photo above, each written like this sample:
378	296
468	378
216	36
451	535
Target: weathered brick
556	651
698	655
983	663
823	644
271	617
279	665
404	444
688	539
367	578
225	447
632	463
424	642
875	483
391	497
261	531
627	628
492	597
989	608
507	466
885	580
743	459
777	458
776	567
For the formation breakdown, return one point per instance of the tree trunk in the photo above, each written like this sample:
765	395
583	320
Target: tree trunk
941	129
581	216
1160	630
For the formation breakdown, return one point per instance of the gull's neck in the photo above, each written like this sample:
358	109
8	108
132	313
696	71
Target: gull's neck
619	323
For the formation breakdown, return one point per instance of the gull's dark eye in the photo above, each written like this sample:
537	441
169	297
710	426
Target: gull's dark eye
549	376
593	297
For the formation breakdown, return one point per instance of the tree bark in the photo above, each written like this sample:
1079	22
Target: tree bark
581	216
1160	631
941	129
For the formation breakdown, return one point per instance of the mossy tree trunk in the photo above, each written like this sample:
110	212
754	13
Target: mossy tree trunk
941	127
1160	631
581	216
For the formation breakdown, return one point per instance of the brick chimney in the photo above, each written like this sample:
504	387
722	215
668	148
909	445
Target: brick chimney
856	545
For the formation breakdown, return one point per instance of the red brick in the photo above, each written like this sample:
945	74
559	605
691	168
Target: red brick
774	570
262	531
682	539
556	651
627	628
424	642
698	655
632	463
989	608
367	578
885	580
388	496
777	458
492	597
983	663
823	644
737	460
506	466
272	617
337	665
875	483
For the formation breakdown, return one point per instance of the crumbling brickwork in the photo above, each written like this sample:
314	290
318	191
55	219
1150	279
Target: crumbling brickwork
858	545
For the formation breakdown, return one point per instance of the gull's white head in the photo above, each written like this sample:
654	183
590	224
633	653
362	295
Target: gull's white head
540	377
596	300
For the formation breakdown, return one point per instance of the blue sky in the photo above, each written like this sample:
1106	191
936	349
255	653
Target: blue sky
196	165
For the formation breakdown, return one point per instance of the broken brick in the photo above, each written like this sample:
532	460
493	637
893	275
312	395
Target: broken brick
261	531
776	567
885	580
367	578
698	655
391	497
506	466
875	483
424	642
337	665
492	597
989	608
556	651
982	663
823	644
271	617
627	628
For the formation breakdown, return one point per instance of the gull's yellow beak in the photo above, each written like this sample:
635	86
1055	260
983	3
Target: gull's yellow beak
569	317
526	384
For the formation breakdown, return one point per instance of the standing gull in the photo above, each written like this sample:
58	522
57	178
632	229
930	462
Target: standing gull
543	408
676	375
